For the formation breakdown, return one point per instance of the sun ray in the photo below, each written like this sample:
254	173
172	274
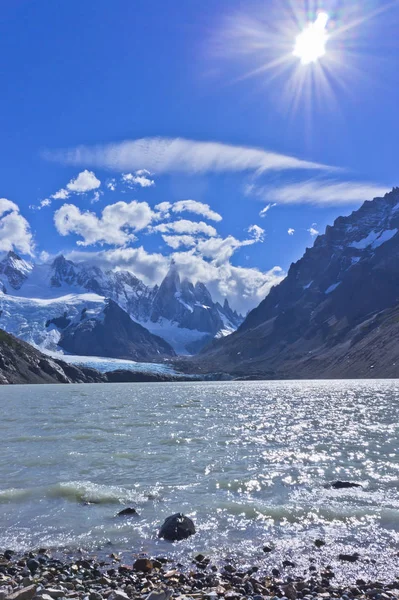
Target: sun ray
313	50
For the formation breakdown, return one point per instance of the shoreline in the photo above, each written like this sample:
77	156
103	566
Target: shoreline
83	576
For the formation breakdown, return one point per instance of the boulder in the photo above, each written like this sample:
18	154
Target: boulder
177	527
349	557
342	485
25	593
143	564
127	512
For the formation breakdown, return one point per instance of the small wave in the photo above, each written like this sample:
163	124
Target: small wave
14	495
86	491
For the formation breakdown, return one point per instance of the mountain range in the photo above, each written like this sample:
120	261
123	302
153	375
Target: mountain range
336	314
82	309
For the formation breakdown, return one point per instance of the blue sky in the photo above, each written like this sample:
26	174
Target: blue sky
191	100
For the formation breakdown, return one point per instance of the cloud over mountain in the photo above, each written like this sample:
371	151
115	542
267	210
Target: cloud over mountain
115	225
15	233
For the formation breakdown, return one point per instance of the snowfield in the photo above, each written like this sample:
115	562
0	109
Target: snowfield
104	364
26	318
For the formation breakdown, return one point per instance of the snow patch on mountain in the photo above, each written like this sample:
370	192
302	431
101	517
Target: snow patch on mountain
180	338
332	287
104	364
30	318
374	239
177	310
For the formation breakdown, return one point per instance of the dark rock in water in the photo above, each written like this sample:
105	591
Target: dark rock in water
33	565
288	563
275	572
143	564
177	527
199	558
127	512
319	543
349	557
267	549
8	554
229	569
342	485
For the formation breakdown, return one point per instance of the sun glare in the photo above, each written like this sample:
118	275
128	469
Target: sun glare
310	44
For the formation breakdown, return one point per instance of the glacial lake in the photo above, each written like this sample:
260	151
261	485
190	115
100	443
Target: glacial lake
247	461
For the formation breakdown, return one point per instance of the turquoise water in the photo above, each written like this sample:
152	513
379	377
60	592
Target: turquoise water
248	461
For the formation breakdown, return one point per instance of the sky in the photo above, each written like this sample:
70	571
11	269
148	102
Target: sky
222	134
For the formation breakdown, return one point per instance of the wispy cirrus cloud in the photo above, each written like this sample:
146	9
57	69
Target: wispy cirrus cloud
179	155
319	192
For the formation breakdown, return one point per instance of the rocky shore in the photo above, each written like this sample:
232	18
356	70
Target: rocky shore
40	576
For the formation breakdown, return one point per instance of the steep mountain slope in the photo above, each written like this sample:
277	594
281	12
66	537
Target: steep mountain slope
338	300
20	363
112	333
183	314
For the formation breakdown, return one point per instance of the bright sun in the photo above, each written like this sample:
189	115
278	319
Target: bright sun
310	45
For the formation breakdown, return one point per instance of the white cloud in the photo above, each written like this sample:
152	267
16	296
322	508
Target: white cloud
86	181
44	257
291	231
163	207
220	250
151	267
244	287
168	155
321	192
186	226
257	232
15	231
196	207
313	232
62	194
139	178
111	184
264	211
175	241
96	197
115	226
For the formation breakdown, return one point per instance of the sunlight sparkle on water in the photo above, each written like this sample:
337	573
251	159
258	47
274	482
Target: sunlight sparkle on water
310	44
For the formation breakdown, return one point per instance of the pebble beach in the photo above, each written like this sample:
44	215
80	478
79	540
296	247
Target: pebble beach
41	576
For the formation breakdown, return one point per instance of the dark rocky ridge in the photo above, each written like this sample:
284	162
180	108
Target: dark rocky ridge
335	315
21	363
113	334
